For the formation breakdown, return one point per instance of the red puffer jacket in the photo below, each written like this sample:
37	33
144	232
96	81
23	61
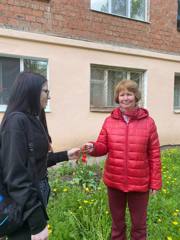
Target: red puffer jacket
133	162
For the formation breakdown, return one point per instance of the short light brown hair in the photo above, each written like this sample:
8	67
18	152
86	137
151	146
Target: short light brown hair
129	85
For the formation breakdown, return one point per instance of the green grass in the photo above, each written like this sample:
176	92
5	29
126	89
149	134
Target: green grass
78	207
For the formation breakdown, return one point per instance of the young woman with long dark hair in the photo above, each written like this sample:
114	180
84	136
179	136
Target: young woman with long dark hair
25	110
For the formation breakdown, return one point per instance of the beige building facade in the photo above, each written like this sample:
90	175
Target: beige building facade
72	117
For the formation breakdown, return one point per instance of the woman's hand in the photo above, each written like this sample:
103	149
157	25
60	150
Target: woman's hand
43	235
74	153
50	148
153	192
88	147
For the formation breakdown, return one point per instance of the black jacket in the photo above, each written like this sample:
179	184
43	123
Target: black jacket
14	162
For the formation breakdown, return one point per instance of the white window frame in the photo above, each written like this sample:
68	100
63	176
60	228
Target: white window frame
146	13
3	107
176	110
143	85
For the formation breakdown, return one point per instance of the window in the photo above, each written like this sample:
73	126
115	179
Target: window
103	82
9	69
177	92
178	16
36	66
135	9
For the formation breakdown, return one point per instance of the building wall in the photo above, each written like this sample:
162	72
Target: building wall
70	120
74	19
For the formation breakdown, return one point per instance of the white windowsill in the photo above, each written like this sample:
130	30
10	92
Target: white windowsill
3	109
121	16
177	111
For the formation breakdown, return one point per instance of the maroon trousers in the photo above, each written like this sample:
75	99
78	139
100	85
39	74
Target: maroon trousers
137	204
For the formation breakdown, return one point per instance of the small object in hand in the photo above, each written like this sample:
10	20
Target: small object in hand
84	156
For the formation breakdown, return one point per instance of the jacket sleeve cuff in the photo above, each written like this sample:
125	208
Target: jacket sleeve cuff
37	221
54	158
61	156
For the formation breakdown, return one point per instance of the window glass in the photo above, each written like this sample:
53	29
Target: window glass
135	9
178	16
97	86
177	93
100	5
114	77
136	76
36	66
119	7
9	69
138	9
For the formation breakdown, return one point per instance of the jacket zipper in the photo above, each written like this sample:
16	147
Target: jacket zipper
126	156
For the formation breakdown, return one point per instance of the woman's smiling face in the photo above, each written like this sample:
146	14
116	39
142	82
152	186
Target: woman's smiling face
127	100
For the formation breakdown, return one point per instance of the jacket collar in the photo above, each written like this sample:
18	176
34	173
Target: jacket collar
138	114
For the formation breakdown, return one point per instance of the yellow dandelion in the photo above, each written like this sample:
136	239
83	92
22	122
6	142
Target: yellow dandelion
177	210
65	190
87	189
49	229
169	238
85	201
175	214
175	223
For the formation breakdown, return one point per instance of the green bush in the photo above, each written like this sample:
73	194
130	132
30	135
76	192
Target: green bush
78	208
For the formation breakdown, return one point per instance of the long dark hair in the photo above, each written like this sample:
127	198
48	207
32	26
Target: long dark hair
42	118
25	93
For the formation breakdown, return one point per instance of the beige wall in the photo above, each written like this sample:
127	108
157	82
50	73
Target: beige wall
70	121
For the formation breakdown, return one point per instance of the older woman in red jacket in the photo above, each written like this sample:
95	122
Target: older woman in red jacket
133	167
